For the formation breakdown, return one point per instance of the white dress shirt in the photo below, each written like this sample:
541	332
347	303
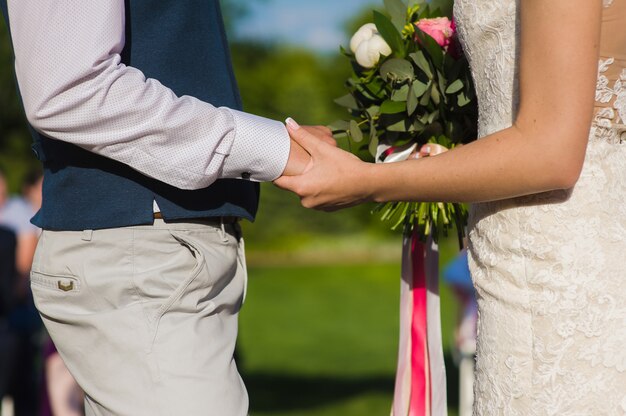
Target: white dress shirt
75	89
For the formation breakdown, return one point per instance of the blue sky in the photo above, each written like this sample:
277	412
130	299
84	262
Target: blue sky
315	24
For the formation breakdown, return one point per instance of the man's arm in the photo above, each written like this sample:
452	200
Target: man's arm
75	89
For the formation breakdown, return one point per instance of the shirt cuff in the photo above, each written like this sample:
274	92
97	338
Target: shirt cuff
260	149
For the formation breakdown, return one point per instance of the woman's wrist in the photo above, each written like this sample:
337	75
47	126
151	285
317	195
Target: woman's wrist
371	182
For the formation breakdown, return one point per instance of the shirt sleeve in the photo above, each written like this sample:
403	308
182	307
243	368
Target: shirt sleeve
75	89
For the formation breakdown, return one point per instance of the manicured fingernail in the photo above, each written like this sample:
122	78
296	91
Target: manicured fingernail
426	149
293	125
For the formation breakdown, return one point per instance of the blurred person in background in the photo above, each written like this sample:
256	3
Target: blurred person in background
4	192
8	339
457	276
24	326
16	215
61	395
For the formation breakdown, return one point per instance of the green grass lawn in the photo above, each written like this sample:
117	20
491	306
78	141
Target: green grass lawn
322	340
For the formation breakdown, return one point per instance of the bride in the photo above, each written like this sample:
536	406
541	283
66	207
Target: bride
548	183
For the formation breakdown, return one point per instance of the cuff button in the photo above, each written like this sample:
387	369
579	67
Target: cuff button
246	175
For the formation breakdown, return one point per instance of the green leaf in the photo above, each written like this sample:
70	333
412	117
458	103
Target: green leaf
431	46
419	88
355	131
392	107
375	88
456	86
434	95
421	62
339	126
444	6
373	146
433	116
344	52
373	111
401	126
412	101
426	96
462	100
348	101
389	32
397	10
401	94
397	70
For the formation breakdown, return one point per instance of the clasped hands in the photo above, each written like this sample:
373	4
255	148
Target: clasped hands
328	178
318	171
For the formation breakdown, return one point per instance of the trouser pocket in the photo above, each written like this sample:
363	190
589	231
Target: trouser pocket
178	273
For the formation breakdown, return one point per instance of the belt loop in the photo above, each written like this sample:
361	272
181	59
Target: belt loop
223	230
87	235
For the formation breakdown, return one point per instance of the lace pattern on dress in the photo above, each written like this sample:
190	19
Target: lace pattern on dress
548	268
610	122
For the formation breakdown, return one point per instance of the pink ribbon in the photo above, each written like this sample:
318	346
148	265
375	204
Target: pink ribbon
420	388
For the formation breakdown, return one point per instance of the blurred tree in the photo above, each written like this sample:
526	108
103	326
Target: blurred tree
15	154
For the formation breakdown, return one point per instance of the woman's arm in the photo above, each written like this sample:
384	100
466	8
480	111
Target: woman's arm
542	151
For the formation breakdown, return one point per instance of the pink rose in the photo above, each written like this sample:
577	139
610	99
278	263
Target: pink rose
440	28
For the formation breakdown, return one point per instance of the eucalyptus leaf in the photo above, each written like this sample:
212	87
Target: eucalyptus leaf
367	94
339	126
373	111
419	88
355	131
417	126
435	95
431	46
347	101
397	10
392	107
421	62
402	126
444	7
389	32
412	101
373	133
397	70
456	86
373	145
401	94
376	87
426	96
441	80
462	100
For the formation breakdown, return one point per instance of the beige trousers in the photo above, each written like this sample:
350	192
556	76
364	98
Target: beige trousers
146	317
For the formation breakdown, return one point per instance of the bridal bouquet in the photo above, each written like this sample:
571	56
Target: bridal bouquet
410	85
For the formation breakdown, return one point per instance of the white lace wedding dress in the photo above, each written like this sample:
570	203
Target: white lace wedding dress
550	269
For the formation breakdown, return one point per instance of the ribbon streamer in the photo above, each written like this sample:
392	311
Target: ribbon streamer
420	388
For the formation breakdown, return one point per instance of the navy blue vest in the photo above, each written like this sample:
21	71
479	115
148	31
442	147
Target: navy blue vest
182	44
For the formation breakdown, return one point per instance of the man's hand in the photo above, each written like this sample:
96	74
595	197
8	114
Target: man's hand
299	159
332	180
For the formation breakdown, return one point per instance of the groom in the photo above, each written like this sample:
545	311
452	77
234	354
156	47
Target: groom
140	273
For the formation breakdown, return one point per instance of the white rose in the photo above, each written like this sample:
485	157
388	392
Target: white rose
368	46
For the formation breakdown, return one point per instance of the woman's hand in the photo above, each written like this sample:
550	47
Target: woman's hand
334	178
298	157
